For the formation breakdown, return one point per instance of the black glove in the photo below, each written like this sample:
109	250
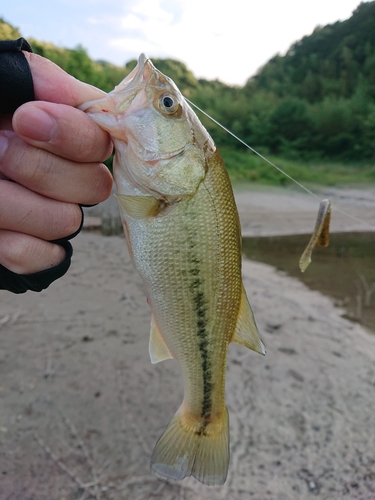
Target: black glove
16	88
20	283
16	82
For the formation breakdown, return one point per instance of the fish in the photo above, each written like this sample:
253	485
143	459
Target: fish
183	235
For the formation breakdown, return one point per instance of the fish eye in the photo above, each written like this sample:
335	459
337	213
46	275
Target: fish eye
168	104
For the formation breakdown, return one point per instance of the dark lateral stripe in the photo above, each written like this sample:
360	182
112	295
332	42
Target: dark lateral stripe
196	288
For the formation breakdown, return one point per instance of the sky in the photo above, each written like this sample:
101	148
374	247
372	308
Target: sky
228	40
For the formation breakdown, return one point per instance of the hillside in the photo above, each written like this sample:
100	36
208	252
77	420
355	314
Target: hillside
335	60
315	103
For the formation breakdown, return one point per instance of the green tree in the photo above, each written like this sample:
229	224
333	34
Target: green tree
290	127
7	31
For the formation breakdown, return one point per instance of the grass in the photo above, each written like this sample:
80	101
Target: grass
246	166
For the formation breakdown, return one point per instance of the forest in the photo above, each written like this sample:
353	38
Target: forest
311	110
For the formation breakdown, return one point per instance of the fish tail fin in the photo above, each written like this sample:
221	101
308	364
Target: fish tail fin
191	447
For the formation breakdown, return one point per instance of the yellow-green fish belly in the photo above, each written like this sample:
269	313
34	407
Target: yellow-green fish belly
190	260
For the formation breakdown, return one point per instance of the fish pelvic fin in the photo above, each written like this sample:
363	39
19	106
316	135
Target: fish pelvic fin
157	347
191	447
246	332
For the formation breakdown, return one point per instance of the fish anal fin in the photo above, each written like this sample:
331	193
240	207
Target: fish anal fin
158	349
246	332
194	448
140	207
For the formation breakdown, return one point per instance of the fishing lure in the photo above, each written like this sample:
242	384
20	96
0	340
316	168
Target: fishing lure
320	235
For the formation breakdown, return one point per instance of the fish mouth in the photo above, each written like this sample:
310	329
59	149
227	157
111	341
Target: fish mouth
143	75
125	92
138	76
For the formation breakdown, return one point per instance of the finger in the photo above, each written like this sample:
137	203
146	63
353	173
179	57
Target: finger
25	254
5	122
23	211
52	176
53	84
62	130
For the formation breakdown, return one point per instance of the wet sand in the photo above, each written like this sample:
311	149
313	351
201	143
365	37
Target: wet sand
81	406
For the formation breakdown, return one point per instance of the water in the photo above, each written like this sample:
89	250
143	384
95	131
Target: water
345	270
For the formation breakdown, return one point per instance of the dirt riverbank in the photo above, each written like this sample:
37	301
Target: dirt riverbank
81	407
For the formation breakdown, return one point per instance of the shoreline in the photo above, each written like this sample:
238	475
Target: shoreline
277	211
285	211
81	403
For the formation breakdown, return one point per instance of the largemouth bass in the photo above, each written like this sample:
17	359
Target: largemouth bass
183	233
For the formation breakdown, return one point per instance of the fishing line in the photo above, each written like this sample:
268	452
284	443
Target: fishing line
275	166
253	150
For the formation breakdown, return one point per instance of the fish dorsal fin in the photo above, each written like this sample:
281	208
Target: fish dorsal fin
157	347
246	332
139	207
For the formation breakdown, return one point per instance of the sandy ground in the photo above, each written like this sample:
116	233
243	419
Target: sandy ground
81	407
275	211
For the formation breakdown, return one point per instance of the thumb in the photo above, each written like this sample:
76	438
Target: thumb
53	84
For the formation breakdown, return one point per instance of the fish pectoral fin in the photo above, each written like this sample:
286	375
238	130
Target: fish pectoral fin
139	207
246	332
157	348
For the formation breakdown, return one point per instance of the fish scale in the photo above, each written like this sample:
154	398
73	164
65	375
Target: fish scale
183	233
179	287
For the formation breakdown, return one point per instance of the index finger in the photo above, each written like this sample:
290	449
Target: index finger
53	84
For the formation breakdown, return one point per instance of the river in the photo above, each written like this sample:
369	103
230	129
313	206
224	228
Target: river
345	270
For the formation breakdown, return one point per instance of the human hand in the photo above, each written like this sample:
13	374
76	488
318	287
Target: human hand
50	161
